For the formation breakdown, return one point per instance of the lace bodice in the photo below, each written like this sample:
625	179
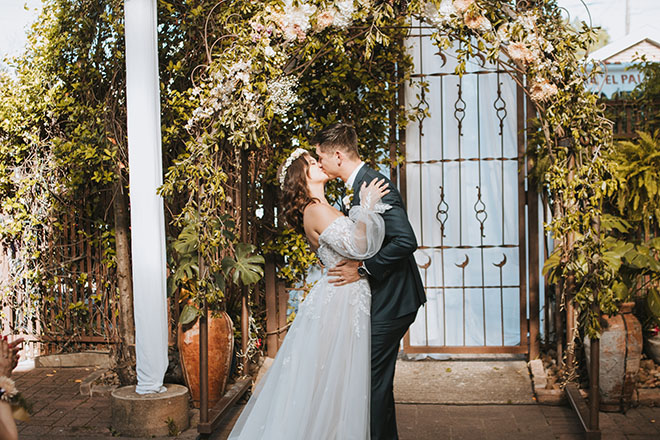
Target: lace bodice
338	230
358	236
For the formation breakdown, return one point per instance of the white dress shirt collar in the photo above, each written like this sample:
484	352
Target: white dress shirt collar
351	179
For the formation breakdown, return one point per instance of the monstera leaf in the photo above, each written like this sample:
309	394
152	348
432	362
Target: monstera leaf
245	267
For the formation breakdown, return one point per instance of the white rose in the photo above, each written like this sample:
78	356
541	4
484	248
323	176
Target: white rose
269	51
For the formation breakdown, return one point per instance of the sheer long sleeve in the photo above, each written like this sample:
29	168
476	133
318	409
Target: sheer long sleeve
361	235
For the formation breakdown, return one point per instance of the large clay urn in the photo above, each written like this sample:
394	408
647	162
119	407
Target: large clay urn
620	355
221	346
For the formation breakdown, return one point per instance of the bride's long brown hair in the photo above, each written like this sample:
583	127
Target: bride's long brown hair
295	195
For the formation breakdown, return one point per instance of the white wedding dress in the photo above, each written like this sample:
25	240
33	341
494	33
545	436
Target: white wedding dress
318	386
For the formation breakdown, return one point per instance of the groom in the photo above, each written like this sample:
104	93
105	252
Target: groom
396	287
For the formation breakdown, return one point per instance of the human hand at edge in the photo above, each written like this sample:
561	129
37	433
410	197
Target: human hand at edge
6	358
15	346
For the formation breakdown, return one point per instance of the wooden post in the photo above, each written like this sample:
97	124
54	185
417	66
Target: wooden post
570	322
269	275
533	246
245	325
283	304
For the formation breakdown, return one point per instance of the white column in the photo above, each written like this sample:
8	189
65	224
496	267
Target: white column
146	175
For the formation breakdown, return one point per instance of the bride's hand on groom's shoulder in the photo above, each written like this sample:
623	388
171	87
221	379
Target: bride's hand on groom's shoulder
373	193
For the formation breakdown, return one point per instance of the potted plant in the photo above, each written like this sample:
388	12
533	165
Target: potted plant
201	280
621	334
635	167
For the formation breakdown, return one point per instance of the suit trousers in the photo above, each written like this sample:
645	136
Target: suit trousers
385	341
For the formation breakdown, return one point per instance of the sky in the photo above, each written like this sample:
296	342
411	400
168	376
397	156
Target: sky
611	14
16	16
15	19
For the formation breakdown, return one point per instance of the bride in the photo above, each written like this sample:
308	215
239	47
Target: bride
318	386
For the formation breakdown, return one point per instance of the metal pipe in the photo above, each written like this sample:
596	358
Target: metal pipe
559	324
204	365
570	324
594	383
203	335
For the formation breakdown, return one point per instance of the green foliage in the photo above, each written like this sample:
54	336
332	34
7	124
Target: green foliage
63	135
634	202
245	268
188	314
296	254
59	153
635	166
238	90
268	86
335	80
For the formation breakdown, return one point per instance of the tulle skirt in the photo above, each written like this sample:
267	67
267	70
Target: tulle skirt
318	386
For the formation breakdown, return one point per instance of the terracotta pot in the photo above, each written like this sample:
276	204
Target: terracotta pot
221	346
620	355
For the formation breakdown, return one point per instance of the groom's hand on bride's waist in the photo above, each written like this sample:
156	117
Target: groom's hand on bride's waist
345	272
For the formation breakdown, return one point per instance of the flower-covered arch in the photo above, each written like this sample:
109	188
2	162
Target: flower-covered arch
249	93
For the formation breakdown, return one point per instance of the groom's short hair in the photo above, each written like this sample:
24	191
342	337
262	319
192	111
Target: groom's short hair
339	136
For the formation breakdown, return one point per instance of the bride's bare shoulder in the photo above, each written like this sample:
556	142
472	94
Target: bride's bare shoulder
322	210
317	216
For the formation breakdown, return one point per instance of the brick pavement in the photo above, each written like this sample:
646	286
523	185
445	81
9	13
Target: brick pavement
509	422
60	412
513	422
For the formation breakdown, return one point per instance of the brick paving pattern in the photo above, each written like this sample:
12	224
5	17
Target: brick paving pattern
60	412
513	422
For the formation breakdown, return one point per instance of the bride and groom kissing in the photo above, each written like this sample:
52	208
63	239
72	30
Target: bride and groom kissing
333	375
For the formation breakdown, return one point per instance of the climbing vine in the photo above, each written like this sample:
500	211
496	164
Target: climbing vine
282	69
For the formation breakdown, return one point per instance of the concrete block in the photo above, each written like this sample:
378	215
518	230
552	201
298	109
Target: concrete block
538	373
147	415
84	359
103	390
86	383
648	396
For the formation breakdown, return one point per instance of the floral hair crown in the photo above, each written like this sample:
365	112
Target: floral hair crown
293	156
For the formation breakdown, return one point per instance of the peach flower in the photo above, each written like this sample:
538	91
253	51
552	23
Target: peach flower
462	5
324	19
477	22
542	89
518	51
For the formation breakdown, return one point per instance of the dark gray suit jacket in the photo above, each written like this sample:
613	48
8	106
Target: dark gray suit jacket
396	286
